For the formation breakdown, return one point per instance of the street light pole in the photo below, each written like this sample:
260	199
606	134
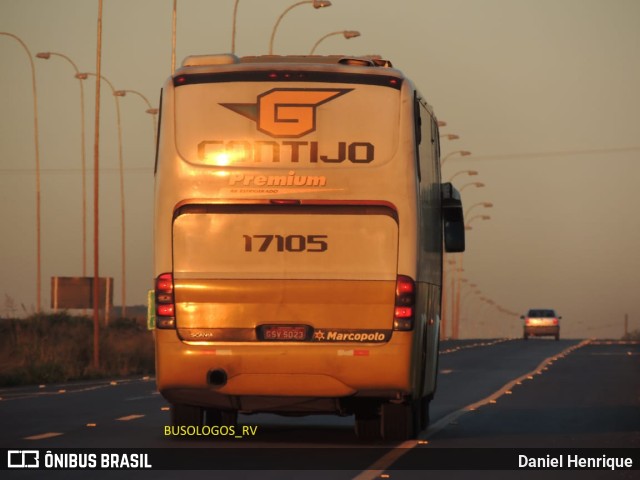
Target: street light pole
174	16
96	199
450	136
475	184
233	29
37	155
462	153
83	76
456	310
482	217
46	56
471	173
479	204
315	3
150	110
346	33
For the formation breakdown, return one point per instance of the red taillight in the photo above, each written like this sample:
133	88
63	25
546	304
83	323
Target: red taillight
555	321
165	310
404	312
405	303
165	306
164	283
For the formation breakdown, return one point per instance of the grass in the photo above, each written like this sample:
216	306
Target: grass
52	348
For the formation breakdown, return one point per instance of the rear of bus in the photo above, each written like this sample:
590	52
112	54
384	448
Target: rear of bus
286	236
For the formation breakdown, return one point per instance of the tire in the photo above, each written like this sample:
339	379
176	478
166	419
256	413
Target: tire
217	417
186	415
526	337
425	417
368	423
401	421
557	337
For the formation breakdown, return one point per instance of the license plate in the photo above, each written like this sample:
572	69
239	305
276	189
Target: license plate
284	333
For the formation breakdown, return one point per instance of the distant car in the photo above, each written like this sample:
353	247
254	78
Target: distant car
541	322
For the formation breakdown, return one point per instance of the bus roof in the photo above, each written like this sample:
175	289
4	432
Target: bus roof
229	59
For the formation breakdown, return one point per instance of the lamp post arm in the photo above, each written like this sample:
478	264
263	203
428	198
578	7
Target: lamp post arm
233	30
275	27
37	155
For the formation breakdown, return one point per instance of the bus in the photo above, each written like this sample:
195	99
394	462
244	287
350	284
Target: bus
299	229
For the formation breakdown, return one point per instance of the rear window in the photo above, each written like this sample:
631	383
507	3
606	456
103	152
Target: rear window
541	313
276	124
257	242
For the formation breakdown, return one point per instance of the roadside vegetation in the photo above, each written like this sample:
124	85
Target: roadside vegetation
52	348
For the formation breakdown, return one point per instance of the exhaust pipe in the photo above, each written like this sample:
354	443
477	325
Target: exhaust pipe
217	378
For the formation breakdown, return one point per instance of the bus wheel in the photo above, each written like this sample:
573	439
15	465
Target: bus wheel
216	417
186	415
424	413
368	424
401	421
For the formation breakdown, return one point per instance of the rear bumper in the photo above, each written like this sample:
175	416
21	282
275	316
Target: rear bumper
279	376
540	331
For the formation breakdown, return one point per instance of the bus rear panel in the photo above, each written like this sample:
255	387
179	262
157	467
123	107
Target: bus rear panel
298	242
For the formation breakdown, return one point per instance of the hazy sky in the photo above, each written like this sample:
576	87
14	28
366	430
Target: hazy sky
545	93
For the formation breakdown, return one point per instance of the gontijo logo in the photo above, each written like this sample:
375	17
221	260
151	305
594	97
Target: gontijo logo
282	112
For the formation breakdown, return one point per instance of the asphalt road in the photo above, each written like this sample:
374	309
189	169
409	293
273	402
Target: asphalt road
506	394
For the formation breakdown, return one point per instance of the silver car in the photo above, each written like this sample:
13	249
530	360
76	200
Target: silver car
541	322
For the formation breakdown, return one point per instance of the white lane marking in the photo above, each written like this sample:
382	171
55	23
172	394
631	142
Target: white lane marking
129	417
142	397
13	395
384	462
474	345
42	436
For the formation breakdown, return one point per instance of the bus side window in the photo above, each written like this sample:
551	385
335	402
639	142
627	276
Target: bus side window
453	219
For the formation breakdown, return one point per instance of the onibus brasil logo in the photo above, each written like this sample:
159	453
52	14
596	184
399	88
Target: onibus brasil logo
287	112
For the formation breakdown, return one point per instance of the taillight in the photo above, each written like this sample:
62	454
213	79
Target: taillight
555	321
165	304
527	321
405	303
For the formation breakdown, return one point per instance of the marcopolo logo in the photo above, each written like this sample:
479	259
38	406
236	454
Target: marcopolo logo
283	112
358	336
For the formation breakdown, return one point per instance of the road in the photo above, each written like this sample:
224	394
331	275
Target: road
492	394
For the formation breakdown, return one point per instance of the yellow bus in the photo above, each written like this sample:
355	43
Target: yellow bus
300	222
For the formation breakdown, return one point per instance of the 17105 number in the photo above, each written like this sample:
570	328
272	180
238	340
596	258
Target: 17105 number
285	243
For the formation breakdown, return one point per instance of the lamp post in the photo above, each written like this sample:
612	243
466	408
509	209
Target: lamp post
83	76
47	56
150	110
450	136
475	184
233	28
462	153
482	217
37	155
315	3
348	34
174	17
449	269
455	324
472	291
471	173
479	204
454	306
